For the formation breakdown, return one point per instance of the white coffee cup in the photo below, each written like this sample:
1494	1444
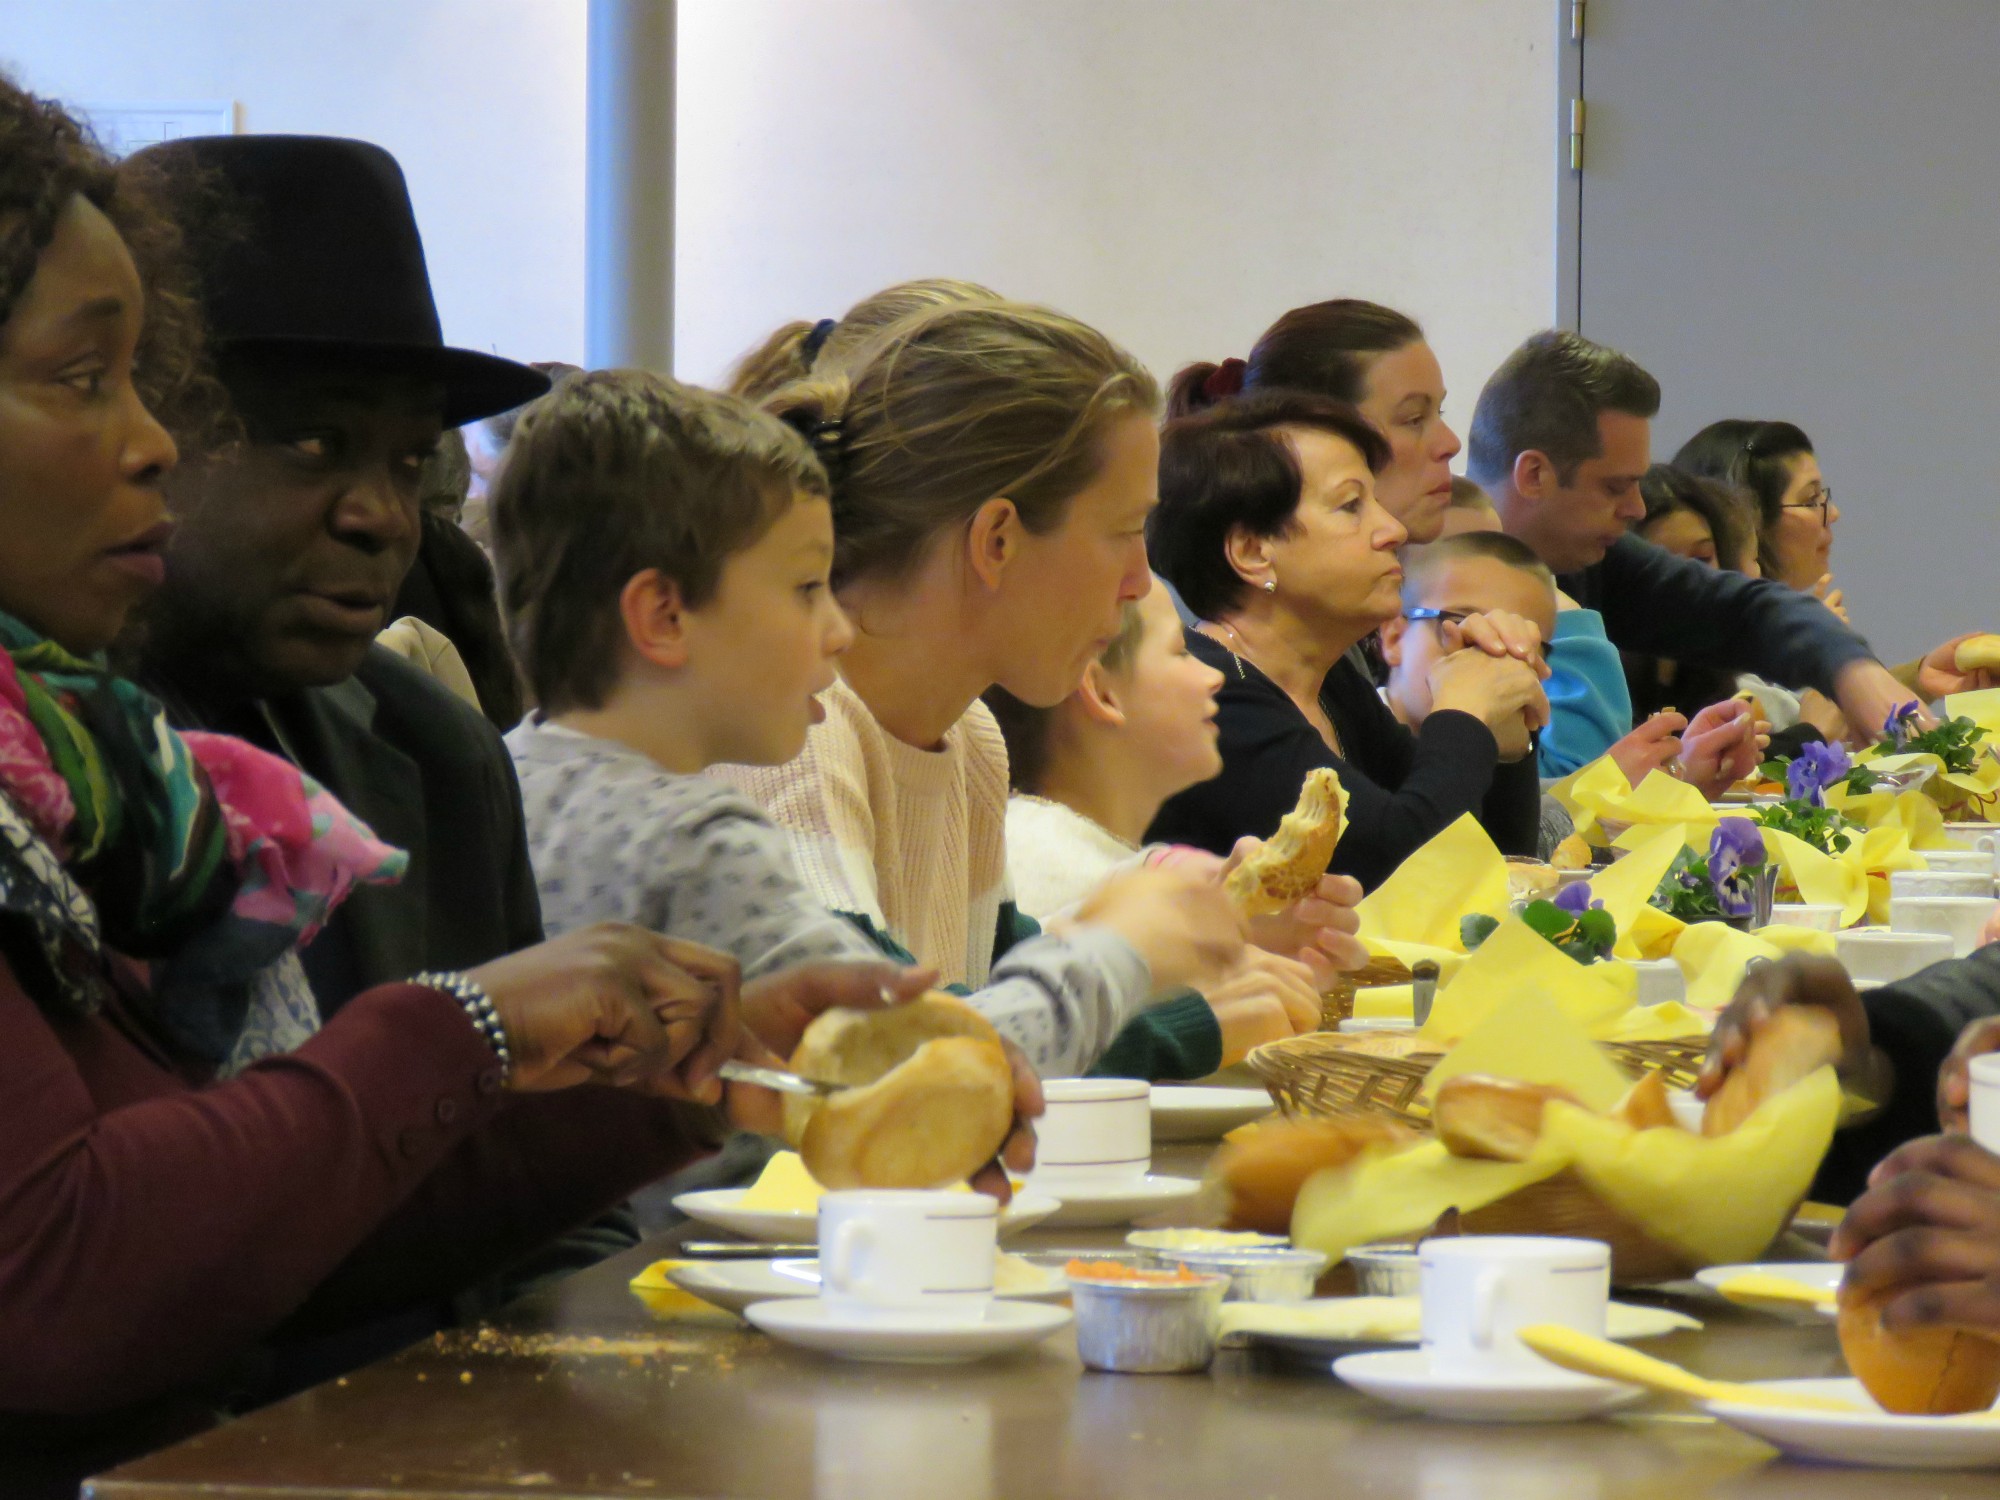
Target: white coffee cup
1807	914
1477	1290
894	1255
1961	918
1984	1076
1979	838
1940	883
1094	1130
1875	955
1960	861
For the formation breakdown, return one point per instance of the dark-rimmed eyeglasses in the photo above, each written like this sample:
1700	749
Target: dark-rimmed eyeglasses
1442	616
1822	502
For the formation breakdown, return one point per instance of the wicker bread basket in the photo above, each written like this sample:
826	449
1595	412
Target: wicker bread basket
1324	1074
1337	1004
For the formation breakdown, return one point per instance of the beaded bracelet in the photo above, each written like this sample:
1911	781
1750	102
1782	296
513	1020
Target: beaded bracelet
469	993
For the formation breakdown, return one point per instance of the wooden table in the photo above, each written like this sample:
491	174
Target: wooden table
582	1392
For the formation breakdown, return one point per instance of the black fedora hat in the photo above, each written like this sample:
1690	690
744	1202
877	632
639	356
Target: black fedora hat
320	257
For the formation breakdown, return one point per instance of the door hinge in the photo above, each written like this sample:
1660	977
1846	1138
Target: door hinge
1576	135
1576	8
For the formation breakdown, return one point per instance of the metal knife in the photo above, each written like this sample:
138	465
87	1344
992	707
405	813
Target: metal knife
774	1078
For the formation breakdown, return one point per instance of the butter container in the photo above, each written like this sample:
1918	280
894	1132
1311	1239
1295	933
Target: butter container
1385	1270
1147	1327
1277	1274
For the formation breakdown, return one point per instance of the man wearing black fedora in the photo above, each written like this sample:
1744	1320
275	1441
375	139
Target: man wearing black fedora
296	533
294	541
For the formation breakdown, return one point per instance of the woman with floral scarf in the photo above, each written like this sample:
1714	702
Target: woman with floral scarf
195	1175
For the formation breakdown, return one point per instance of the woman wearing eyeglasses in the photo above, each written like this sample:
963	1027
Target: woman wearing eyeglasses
1270	528
1775	464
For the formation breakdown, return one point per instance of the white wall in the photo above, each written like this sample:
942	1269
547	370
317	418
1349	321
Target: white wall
480	100
1177	171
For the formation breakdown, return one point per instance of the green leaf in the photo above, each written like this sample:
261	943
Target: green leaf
1598	928
1476	929
1548	919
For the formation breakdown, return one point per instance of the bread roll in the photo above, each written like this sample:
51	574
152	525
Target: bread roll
1571	854
1646	1106
1978	653
1491	1119
1935	1372
1531	880
1262	1171
934	1101
1796	1041
1293	859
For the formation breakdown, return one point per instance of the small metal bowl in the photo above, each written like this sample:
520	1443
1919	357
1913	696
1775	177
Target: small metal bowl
1147	1328
1385	1270
1274	1275
1159	1242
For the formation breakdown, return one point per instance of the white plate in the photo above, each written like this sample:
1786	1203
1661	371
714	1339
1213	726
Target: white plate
811	1324
1121	1201
734	1285
1404	1377
720	1207
1348	1324
1821	1276
1870	1437
1196	1114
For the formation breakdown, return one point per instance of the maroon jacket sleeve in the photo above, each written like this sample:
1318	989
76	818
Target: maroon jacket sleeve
145	1243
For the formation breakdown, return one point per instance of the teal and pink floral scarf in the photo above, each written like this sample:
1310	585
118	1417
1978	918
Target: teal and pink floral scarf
202	857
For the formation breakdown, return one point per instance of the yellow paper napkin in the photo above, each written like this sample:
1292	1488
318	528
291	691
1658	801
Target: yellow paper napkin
1517	961
1385	1002
1713	956
1456	874
1607	806
1626	889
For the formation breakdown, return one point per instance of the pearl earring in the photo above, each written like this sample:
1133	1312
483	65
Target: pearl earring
1270	585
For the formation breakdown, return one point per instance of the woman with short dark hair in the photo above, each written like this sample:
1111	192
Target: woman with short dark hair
1269	526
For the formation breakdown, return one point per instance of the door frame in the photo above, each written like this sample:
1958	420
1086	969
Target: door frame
1571	25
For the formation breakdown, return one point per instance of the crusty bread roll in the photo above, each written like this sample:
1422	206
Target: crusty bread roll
1796	1041
1531	880
1387	1044
1492	1119
933	1102
1263	1170
1935	1372
1978	653
1293	859
1645	1106
1571	854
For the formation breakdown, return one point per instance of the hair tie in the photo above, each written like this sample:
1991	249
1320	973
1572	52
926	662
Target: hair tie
1225	380
815	340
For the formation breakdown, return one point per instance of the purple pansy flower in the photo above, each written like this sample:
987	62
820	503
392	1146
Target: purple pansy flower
1901	723
1575	899
1735	855
1813	770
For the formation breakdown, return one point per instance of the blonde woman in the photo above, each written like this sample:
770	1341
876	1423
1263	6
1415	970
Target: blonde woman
800	349
992	469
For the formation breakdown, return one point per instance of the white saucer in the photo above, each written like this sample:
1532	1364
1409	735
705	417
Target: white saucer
1404	1377
1821	1276
811	1324
734	1285
1328	1328
1870	1437
1119	1200
1205	1114
720	1207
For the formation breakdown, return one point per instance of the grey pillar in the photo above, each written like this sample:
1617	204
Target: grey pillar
628	281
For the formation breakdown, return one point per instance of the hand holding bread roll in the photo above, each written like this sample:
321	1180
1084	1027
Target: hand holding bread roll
932	1098
1289	865
1978	653
1793	1043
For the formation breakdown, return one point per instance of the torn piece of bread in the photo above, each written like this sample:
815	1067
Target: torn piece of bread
1293	859
1532	880
1796	1041
1646	1106
1978	653
1571	854
1491	1119
932	1102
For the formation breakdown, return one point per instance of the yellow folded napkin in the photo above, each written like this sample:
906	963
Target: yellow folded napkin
1517	961
1982	707
1912	811
1385	1002
1606	806
1964	795
1455	875
1714	955
1715	1199
1627	887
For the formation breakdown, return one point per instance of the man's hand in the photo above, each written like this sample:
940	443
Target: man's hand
1800	979
1498	633
779	1007
1954	1087
1867	695
1721	747
1938	675
1650	747
1929	1225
